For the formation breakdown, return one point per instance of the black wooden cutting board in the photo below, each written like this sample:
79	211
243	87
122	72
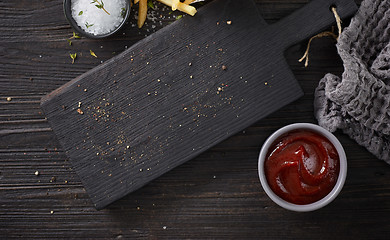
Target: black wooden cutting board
178	92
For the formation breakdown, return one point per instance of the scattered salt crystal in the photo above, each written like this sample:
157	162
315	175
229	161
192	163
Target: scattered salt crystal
95	20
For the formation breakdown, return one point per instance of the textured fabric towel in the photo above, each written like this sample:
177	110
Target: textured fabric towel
359	102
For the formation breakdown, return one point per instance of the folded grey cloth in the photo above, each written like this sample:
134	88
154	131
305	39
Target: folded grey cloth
359	103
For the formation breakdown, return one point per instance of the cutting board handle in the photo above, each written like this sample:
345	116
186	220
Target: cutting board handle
311	19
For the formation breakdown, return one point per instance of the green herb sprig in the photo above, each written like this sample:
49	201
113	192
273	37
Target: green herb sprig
75	36
88	25
100	5
123	12
73	56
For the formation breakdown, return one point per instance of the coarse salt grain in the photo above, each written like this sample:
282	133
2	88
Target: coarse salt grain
95	20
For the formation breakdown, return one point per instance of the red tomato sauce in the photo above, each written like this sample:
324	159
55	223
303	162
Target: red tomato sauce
302	167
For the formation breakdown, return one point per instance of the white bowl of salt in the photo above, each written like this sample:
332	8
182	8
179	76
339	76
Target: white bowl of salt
96	18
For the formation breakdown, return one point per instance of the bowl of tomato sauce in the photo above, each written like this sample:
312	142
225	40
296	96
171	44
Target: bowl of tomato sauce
302	167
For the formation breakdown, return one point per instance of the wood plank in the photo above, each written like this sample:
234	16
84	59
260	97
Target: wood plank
189	201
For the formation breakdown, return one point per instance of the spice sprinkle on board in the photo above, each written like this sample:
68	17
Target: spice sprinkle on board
141	120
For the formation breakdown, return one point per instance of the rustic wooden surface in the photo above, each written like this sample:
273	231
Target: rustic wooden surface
216	195
157	105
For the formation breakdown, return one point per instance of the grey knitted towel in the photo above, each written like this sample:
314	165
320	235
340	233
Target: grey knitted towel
359	103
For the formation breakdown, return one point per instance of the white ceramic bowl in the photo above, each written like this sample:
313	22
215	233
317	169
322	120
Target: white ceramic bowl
336	189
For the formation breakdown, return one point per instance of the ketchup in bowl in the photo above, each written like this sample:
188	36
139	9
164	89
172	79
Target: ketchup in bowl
302	166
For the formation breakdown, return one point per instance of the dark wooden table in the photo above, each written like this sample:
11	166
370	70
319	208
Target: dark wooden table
216	195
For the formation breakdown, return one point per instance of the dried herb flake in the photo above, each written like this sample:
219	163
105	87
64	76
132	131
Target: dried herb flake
92	53
150	4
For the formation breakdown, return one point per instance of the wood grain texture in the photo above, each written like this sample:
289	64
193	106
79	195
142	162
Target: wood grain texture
158	104
188	201
179	92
